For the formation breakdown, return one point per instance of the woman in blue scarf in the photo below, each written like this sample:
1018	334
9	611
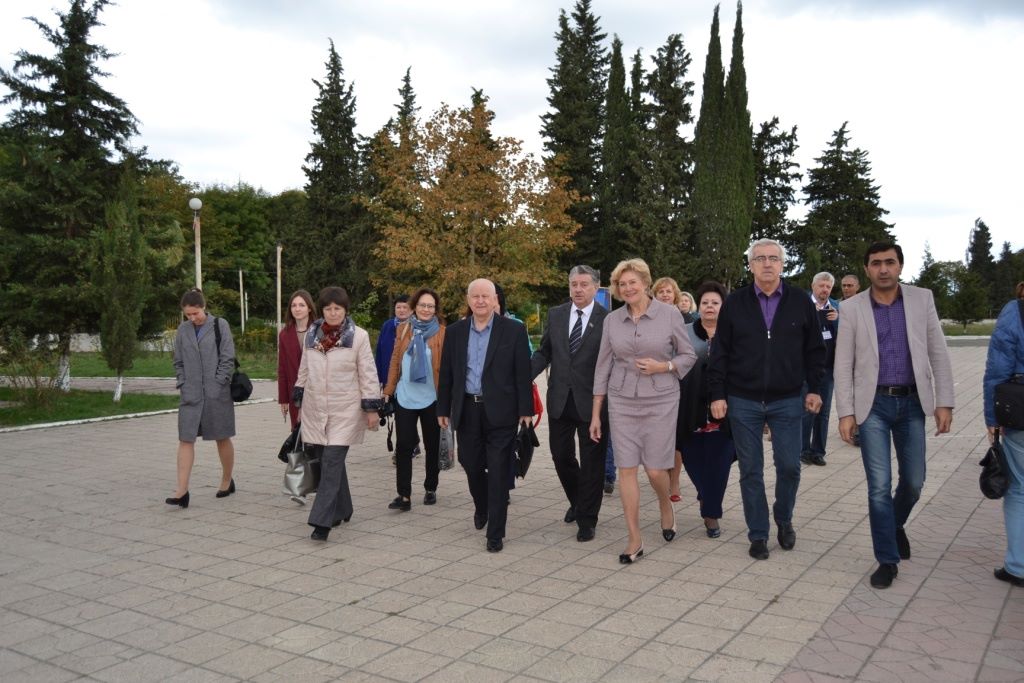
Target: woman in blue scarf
412	385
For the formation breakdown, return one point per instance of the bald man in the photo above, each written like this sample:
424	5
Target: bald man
484	393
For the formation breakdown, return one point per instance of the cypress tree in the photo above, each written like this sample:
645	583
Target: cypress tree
981	263
845	215
573	128
58	174
775	173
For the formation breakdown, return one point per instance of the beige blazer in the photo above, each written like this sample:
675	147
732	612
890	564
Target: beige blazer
856	368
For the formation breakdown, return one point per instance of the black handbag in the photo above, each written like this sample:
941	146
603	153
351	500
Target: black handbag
995	473
241	385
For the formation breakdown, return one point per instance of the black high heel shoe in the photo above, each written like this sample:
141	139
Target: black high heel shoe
630	558
228	491
181	502
669	534
712	531
320	533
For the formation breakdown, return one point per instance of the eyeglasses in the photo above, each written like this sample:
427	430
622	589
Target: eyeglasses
426	307
765	259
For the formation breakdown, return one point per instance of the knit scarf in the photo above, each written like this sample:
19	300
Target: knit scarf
325	337
421	332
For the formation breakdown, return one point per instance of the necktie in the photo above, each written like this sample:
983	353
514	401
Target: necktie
576	336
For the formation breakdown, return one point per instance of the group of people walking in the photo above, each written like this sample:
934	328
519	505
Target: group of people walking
672	390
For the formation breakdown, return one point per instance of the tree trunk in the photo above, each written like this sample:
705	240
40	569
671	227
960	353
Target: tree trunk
64	364
118	388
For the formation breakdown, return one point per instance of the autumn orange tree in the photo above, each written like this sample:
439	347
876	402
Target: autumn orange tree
459	204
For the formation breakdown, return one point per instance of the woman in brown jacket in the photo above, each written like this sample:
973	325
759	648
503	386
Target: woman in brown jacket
412	385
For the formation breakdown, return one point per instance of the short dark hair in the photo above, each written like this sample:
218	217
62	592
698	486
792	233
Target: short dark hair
415	300
710	286
193	297
333	295
401	299
878	247
289	319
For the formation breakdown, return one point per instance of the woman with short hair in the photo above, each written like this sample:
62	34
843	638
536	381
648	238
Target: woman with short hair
203	370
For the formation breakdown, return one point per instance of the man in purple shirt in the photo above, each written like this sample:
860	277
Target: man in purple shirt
884	378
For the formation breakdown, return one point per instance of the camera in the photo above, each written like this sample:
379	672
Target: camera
385	411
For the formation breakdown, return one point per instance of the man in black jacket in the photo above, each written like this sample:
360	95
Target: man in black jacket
484	392
767	346
569	347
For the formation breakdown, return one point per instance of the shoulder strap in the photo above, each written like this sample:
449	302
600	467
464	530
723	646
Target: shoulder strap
216	336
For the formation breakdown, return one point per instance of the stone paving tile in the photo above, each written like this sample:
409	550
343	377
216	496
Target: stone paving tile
116	586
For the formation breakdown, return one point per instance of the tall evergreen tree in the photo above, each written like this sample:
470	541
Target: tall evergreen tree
622	166
1009	271
121	282
981	263
669	179
776	174
60	138
845	216
573	128
337	248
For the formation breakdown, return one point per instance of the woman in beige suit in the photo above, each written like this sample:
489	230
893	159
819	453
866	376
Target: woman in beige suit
338	395
645	351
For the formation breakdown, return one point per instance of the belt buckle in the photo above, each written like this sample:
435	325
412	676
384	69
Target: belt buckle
477	398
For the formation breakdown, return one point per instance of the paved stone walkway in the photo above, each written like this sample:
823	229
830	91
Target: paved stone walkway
100	580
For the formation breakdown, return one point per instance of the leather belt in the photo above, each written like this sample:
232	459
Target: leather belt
475	398
897	390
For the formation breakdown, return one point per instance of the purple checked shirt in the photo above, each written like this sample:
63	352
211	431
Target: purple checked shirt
894	365
769	303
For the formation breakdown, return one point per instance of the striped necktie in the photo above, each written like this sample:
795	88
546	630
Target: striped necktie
576	336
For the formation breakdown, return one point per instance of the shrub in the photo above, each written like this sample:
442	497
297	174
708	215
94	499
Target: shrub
30	367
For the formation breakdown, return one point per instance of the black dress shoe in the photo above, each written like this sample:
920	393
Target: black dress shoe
180	502
787	537
806	458
320	533
883	576
609	487
586	533
570	515
429	498
759	549
1009	578
818	459
228	491
399	503
479	521
494	545
902	543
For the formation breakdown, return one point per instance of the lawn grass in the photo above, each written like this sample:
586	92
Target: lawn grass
982	329
77	405
160	364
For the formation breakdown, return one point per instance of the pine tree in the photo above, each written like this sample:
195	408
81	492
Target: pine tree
666	189
776	173
573	128
60	138
845	216
1009	271
981	263
121	282
338	246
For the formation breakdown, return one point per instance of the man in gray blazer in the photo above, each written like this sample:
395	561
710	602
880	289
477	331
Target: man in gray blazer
569	347
892	367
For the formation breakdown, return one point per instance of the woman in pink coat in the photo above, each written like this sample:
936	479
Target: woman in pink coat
338	396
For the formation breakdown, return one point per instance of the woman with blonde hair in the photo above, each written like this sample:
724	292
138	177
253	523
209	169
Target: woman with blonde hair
645	351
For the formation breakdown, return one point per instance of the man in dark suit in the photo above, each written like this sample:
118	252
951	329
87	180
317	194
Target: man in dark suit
569	347
484	393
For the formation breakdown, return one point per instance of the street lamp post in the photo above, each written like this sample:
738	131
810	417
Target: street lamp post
196	204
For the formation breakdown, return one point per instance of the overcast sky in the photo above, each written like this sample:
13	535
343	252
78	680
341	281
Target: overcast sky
224	88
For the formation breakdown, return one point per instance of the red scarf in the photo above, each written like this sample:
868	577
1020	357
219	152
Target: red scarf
332	335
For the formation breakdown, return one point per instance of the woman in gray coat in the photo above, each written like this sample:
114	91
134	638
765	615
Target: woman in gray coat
204	379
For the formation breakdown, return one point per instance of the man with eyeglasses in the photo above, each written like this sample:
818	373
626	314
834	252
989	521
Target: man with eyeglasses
767	346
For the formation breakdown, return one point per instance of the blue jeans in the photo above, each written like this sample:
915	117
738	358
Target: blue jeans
609	463
815	426
747	419
901	419
1013	502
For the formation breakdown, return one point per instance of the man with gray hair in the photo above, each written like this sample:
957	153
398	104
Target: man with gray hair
815	426
767	349
569	348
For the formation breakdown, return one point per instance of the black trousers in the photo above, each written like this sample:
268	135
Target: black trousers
582	481
485	453
333	501
405	429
